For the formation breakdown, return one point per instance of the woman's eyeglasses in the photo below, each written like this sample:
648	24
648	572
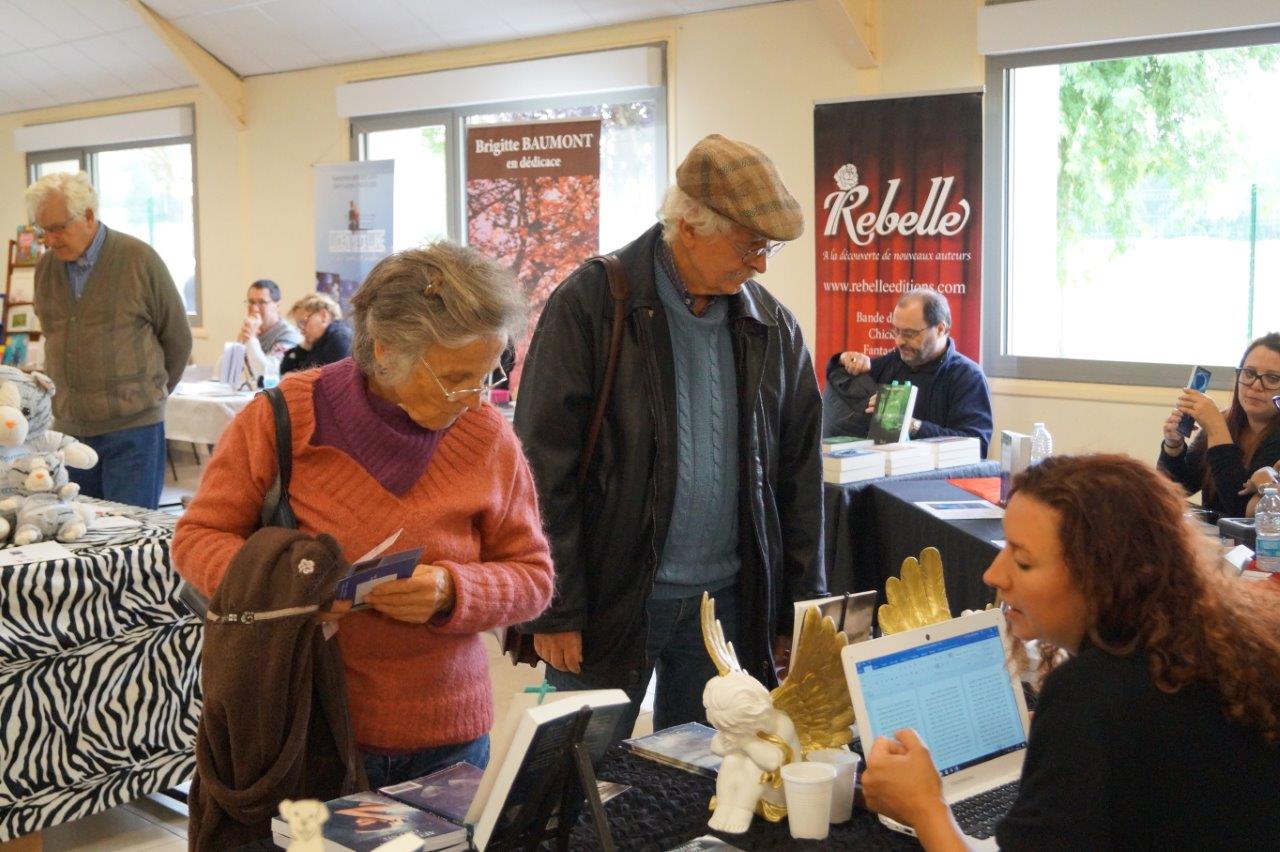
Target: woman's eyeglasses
1247	376
496	378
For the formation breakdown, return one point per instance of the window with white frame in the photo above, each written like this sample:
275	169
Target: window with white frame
1136	201
146	190
427	150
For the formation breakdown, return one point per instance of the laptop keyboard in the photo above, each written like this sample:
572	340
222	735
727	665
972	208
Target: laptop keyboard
979	814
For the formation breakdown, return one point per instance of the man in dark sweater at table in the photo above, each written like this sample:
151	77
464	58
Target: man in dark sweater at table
953	398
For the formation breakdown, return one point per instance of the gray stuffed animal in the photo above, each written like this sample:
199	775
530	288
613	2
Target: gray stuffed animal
43	516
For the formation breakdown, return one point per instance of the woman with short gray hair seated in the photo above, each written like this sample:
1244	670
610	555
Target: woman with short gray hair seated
399	437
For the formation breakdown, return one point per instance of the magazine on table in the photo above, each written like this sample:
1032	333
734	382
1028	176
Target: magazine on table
362	822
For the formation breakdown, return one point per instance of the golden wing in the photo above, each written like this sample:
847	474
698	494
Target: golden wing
815	695
919	598
720	649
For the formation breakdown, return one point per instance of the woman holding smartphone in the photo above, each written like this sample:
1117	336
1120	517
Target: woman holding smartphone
1231	445
1161	729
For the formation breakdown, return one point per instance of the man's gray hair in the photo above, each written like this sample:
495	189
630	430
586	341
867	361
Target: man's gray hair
76	190
442	293
678	205
933	305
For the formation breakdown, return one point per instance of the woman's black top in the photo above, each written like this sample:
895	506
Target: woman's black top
1227	467
1115	763
333	345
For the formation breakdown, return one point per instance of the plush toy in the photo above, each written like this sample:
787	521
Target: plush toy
305	817
33	461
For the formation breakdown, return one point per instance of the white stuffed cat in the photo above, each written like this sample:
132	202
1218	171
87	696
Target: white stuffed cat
33	460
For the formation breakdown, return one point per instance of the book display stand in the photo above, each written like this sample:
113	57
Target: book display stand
569	783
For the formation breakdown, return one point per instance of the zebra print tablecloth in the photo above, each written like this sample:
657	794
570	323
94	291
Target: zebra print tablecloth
99	677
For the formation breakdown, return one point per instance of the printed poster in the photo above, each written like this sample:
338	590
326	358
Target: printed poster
898	192
353	224
533	203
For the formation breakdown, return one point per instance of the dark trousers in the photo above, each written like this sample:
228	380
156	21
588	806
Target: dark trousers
676	653
130	466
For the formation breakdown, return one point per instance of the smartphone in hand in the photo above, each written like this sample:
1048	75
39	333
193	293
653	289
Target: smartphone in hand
1199	381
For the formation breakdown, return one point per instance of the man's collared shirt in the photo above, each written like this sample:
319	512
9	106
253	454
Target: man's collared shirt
78	270
668	261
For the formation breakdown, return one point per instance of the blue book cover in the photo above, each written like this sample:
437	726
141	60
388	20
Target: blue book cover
447	792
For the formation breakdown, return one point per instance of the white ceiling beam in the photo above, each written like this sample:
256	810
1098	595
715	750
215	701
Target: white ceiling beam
216	79
853	25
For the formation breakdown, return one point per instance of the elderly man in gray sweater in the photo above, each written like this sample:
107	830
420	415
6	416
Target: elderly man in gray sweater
117	338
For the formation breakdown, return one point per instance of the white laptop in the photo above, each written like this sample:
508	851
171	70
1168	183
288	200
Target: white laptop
951	682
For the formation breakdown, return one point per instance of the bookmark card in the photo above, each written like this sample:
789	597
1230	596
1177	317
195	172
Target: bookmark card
367	575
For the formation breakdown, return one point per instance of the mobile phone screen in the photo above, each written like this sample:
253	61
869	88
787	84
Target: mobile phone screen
1199	381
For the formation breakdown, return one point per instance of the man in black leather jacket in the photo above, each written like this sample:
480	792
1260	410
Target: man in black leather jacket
674	505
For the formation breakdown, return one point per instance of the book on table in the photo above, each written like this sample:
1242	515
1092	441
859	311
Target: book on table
852	614
845	465
953	450
686	747
528	749
905	457
363	822
449	792
891	422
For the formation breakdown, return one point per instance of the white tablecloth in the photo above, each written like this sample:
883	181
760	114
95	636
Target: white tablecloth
200	412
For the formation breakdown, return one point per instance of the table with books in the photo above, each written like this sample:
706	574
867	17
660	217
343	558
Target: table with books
99	672
900	527
854	557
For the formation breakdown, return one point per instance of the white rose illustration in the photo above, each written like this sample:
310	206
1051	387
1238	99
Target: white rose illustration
847	176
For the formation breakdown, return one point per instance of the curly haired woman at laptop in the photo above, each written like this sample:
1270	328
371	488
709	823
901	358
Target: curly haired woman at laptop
1160	731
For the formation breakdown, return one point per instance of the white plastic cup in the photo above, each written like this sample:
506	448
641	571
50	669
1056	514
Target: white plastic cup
846	764
808	788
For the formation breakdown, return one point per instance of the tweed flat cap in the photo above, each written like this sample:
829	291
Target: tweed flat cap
740	183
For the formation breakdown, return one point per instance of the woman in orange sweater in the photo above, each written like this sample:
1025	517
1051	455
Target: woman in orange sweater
397	437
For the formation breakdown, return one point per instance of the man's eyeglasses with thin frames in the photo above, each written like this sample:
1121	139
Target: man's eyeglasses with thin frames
496	378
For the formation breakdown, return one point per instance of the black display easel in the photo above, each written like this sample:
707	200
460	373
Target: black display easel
575	784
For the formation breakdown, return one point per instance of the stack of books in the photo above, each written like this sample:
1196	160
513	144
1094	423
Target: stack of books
849	463
953	451
844	442
905	457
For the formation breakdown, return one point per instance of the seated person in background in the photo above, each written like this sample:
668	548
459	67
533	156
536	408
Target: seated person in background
325	337
1160	730
265	334
398	438
953	398
1228	446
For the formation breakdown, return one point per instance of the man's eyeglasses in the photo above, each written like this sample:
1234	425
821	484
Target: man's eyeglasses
768	250
1247	376
258	303
53	230
907	334
496	378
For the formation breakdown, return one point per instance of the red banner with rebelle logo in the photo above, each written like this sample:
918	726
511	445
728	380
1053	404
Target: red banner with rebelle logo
533	203
898	189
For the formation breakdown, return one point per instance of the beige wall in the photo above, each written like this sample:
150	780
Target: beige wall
752	73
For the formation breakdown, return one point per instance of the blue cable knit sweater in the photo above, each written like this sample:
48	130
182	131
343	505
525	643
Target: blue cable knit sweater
701	551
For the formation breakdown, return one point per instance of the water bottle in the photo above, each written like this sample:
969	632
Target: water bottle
270	373
1266	519
1041	444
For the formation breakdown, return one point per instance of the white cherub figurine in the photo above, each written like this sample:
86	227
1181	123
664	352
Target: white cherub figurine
758	732
305	817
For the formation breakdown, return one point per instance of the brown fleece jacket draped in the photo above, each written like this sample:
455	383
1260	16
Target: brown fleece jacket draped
275	722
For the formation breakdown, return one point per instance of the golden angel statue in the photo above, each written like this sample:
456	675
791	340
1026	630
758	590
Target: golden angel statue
758	732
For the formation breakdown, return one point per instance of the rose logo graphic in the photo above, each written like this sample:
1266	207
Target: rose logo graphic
847	176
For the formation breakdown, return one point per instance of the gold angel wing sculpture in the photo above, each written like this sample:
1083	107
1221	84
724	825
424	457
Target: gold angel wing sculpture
919	597
815	696
720	649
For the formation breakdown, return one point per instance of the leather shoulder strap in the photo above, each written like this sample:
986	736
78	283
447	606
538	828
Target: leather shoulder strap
620	291
276	510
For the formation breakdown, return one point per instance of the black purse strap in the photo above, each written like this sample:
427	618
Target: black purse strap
620	290
276	511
